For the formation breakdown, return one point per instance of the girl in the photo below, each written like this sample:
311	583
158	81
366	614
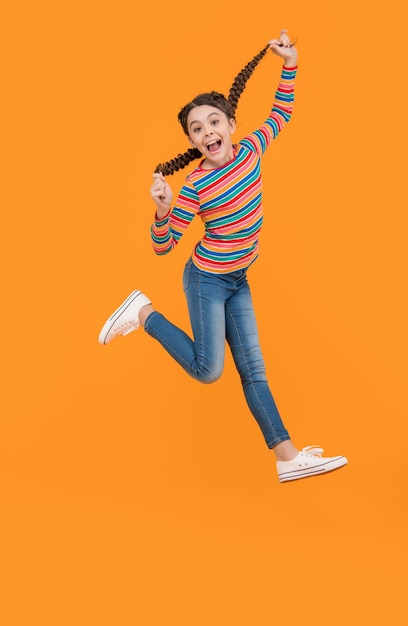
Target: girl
225	189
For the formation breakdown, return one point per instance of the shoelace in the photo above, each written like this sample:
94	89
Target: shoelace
125	328
313	450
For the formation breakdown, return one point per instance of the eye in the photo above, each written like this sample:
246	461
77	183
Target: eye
196	129
214	122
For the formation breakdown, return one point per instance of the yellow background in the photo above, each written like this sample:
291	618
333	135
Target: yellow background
129	493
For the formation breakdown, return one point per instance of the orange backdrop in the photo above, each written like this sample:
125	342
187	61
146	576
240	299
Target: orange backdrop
130	494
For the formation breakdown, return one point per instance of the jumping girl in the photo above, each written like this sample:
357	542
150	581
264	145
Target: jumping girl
225	190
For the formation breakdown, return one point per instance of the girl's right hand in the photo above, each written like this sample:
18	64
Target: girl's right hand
162	195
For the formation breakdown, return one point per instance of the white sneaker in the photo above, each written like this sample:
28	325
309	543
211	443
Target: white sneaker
308	462
125	319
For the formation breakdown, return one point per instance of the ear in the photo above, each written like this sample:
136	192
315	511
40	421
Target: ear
233	125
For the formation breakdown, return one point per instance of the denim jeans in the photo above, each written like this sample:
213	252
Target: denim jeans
220	308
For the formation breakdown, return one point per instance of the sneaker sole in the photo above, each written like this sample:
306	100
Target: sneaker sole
107	327
324	468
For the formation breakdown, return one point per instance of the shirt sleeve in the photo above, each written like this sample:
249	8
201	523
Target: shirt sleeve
280	114
167	232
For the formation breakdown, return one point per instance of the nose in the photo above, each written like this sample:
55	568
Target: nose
208	131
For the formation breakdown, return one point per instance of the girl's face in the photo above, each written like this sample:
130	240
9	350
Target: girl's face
210	130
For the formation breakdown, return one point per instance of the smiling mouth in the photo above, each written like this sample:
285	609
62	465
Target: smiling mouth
214	146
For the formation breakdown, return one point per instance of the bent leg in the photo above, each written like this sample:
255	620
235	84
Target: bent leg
203	357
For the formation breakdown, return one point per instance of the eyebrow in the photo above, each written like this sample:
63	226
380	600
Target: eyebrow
208	116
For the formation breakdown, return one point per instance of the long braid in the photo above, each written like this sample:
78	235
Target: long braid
228	105
241	79
178	163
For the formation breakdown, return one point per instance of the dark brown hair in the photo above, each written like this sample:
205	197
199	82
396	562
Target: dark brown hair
215	99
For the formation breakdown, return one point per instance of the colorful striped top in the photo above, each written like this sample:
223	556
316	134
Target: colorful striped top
228	199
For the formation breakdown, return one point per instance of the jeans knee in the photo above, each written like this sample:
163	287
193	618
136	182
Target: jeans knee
207	377
252	376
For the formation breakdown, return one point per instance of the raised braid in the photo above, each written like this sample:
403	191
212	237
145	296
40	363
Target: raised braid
241	79
228	105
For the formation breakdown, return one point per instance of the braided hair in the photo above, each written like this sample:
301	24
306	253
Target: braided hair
215	99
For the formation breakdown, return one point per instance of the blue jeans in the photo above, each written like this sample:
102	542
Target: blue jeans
220	308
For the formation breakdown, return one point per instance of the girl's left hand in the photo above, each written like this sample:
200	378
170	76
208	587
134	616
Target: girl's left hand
161	194
284	49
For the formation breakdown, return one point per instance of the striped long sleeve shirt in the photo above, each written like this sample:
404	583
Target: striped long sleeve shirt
227	199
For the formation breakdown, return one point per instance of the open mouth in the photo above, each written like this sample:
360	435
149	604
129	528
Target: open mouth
214	146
